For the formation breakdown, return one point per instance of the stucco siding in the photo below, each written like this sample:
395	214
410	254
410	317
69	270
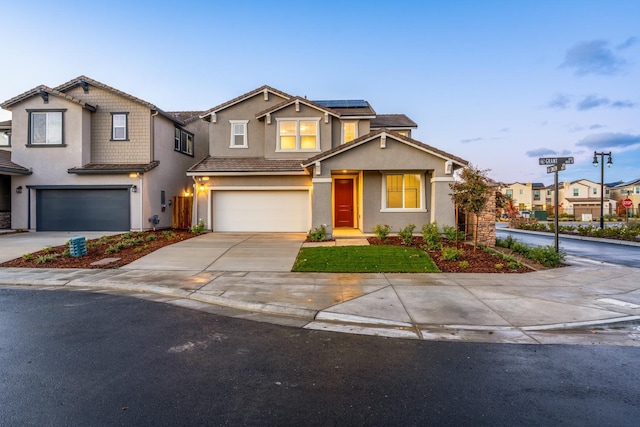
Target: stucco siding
220	131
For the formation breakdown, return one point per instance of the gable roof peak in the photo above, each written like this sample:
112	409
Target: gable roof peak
244	96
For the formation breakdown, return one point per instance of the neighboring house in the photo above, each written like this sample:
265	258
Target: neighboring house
7	169
87	156
527	196
582	197
628	190
279	162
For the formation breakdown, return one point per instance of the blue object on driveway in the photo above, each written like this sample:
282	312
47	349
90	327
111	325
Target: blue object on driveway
77	246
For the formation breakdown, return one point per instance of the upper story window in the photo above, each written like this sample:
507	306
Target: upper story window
119	128
510	193
576	192
548	192
183	141
536	194
521	192
636	190
298	135
5	139
45	127
239	134
349	131
402	191
595	191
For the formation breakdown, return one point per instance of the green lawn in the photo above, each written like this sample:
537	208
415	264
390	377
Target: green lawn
364	259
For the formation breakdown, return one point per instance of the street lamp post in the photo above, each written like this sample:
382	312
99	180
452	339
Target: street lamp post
595	163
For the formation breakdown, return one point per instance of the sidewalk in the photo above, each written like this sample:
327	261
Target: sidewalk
511	308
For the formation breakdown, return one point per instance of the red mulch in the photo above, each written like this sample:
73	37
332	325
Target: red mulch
96	250
472	261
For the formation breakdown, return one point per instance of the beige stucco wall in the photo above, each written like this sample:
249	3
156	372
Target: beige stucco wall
103	150
373	160
220	130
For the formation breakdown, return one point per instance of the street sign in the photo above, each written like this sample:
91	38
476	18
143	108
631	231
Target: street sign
627	203
556	168
545	161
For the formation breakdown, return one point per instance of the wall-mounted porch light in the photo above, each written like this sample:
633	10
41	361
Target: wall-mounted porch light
134	188
19	189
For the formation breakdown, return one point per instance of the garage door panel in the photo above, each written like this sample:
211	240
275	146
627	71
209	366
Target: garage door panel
83	210
261	211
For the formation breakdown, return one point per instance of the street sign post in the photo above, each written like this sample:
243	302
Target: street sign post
556	168
555	164
546	161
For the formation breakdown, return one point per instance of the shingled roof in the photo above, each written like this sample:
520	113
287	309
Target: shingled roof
256	165
391	121
10	168
44	90
113	169
372	135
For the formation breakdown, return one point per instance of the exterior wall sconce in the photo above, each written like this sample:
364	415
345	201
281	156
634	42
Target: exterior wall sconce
19	189
202	188
134	188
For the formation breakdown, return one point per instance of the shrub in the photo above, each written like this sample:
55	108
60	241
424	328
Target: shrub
382	231
199	228
47	250
46	258
407	234
168	234
451	254
431	236
463	264
546	255
152	237
498	266
450	233
27	257
318	234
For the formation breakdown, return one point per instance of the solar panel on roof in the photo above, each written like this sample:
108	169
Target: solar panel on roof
343	103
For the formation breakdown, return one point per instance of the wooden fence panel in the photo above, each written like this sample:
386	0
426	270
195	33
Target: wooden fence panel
182	208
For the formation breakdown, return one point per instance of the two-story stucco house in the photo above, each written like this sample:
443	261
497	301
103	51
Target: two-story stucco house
86	156
582	197
279	162
526	196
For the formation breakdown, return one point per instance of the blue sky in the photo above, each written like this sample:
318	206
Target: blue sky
498	83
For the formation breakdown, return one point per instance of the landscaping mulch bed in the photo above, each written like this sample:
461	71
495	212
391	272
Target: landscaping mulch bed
138	244
471	261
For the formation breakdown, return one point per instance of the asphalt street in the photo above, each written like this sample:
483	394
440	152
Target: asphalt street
599	251
77	358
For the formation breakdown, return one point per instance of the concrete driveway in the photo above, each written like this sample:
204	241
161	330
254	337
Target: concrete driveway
226	252
13	246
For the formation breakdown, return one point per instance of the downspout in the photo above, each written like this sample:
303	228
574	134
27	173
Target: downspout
141	200
152	139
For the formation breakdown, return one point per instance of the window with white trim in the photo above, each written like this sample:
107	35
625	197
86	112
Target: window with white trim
349	131
238	134
183	141
595	191
45	127
576	192
402	191
298	134
636	190
119	129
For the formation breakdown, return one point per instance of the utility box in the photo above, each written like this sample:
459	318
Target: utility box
77	246
539	215
587	217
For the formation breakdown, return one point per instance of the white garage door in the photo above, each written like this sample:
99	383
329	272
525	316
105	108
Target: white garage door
262	210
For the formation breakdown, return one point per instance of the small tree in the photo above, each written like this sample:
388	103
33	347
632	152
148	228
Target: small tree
471	193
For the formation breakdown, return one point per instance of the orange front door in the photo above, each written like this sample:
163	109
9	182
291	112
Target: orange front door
343	202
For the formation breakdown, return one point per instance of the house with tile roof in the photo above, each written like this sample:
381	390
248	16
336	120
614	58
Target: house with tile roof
86	156
283	163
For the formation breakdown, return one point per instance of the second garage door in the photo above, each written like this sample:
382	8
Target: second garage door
85	209
261	211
